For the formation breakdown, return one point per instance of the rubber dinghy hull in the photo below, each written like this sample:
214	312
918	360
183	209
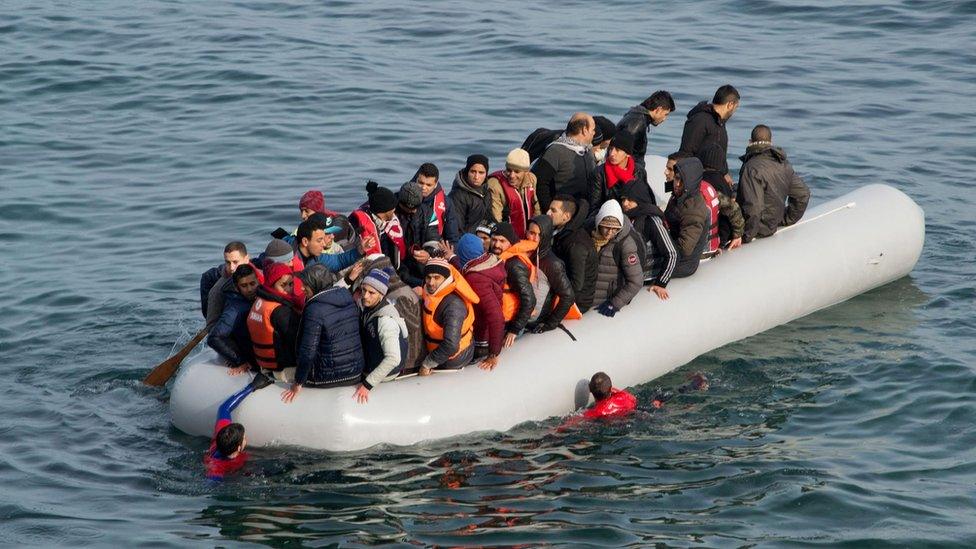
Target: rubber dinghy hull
840	249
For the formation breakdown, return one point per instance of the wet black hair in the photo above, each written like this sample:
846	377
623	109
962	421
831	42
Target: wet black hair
235	246
569	203
229	439
600	386
725	94
428	169
657	99
243	271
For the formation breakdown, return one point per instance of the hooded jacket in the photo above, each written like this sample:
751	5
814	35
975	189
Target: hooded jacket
565	167
486	275
229	335
648	221
688	218
385	340
574	246
620	274
471	204
599	193
704	125
330	352
770	192
637	123
555	272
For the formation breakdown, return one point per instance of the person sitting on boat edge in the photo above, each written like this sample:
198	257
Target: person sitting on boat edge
436	203
519	301
330	352
648	222
216	280
226	453
727	233
620	252
637	122
770	192
469	194
486	275
688	217
229	335
513	192
273	319
384	334
573	244
559	301
448	317
317	233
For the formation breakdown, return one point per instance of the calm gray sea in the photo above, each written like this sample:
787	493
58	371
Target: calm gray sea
136	138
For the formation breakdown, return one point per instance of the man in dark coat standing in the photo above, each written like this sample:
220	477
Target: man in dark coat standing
652	111
770	193
706	124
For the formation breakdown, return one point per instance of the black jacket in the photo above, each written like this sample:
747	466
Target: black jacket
574	246
599	193
770	193
555	270
565	168
704	125
417	233
472	205
688	219
519	279
229	335
662	257
636	123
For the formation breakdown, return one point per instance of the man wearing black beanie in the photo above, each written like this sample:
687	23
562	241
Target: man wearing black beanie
518	298
377	218
469	194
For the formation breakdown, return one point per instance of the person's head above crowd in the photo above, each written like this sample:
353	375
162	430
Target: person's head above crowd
581	128
725	101
761	135
659	105
246	281
427	178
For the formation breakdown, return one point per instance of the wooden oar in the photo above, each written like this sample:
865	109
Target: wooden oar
161	374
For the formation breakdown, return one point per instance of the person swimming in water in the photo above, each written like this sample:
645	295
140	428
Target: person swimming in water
226	453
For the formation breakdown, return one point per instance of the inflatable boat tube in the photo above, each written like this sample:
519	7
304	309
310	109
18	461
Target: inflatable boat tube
840	249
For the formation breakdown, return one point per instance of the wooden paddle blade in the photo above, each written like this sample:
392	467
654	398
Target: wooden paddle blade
162	373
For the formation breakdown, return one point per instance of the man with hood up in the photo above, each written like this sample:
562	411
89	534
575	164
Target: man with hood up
436	203
330	352
706	124
559	298
648	221
687	216
770	192
572	243
637	123
620	273
469	194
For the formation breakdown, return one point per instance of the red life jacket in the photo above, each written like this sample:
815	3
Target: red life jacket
218	467
710	195
519	204
617	404
368	228
440	208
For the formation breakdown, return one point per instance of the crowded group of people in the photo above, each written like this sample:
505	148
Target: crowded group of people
425	279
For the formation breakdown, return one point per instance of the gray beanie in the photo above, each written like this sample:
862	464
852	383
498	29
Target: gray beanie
410	195
278	251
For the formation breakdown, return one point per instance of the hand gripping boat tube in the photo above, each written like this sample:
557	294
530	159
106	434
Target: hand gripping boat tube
840	249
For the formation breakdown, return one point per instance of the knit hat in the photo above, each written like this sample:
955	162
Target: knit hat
712	157
318	277
518	159
610	215
484	227
324	222
380	199
507	230
410	195
437	265
278	251
377	280
624	142
273	273
476	159
312	200
605	130
469	247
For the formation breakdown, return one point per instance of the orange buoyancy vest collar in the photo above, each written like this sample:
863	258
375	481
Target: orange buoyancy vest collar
262	332
434	332
510	297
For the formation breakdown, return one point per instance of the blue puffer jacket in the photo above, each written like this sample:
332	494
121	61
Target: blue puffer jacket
330	352
229	336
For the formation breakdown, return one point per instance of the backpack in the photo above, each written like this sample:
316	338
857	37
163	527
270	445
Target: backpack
538	141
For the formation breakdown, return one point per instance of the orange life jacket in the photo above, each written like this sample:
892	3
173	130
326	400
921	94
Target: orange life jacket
434	332
510	297
262	332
